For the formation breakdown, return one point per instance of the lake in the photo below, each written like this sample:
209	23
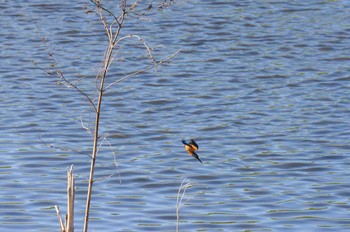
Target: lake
262	86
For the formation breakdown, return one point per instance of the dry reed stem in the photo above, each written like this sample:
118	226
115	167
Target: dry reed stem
68	226
62	228
180	195
70	200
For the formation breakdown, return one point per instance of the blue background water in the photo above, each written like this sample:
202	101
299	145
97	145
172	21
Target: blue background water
263	87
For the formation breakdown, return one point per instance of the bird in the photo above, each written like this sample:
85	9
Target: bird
191	147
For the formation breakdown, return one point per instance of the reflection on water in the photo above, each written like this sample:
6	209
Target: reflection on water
262	87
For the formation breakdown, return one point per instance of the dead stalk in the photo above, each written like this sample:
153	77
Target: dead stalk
70	200
180	195
62	228
68	226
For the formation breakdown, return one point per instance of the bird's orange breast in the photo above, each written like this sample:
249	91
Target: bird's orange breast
189	149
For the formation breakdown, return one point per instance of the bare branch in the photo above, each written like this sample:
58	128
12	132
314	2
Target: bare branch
134	5
61	76
101	143
167	60
143	70
115	163
99	6
62	148
104	23
83	125
70	84
141	41
130	75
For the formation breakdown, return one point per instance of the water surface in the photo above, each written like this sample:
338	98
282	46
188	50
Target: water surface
263	87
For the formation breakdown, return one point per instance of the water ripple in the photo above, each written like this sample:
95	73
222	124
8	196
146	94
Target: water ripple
262	87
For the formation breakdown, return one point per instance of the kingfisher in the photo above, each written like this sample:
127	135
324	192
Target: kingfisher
191	147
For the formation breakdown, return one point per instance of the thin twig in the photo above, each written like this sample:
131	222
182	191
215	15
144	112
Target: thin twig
61	76
133	6
61	148
115	163
115	160
83	125
101	143
99	6
143	70
129	75
141	41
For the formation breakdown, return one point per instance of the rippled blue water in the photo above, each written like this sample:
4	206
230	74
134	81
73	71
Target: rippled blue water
263	87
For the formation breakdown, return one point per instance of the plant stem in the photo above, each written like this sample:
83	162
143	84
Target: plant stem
96	136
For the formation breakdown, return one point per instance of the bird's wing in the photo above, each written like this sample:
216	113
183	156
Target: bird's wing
195	145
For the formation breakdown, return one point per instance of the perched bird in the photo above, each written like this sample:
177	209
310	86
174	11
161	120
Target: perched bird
191	147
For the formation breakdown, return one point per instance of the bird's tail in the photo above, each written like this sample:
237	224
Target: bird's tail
196	156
